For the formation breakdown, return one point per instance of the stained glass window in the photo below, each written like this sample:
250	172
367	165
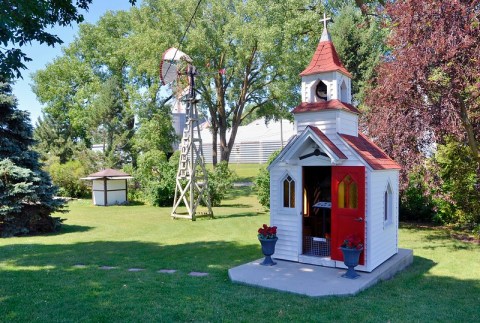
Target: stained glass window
288	192
347	193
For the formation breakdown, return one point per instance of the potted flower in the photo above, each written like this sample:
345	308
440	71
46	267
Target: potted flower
268	238
351	248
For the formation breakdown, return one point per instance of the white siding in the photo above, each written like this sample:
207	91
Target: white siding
347	123
254	142
116	192
327	122
116	184
117	197
382	237
98	198
250	152
287	220
98	184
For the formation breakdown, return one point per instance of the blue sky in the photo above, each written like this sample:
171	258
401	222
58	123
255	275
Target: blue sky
41	55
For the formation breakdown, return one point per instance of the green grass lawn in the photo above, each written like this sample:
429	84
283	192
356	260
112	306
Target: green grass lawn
38	280
245	172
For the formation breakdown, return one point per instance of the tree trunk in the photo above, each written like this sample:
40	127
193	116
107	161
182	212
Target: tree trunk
214	146
226	148
472	142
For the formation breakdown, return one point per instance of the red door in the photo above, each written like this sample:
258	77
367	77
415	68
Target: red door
348	207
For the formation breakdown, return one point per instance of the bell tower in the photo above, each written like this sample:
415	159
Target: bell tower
326	92
325	78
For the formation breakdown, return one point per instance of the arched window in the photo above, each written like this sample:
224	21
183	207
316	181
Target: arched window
343	92
388	204
288	192
321	91
348	193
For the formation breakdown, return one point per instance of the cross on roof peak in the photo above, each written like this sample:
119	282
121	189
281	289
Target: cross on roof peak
324	20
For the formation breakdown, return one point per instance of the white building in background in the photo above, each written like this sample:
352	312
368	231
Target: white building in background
109	187
254	143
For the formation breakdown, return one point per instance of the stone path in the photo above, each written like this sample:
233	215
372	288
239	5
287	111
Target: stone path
134	269
197	274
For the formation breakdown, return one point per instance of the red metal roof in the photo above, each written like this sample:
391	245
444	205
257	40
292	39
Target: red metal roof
328	142
326	105
109	173
370	152
325	59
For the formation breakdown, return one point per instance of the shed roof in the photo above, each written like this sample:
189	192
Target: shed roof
370	152
325	59
326	105
109	174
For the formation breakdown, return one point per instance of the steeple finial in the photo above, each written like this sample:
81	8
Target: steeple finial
325	34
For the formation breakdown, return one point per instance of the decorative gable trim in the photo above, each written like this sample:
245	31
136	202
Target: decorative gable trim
316	135
328	142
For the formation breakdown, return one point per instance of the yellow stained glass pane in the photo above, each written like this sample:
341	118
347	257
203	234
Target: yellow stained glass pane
341	195
352	196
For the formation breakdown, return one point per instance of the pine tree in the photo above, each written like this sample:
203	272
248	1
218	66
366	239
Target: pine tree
26	191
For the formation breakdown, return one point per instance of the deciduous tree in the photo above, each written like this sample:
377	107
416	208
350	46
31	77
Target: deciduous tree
429	85
24	21
261	44
360	43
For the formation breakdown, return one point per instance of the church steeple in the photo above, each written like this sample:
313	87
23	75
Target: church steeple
326	92
325	58
325	78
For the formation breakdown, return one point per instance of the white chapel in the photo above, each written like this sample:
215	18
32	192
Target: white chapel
331	181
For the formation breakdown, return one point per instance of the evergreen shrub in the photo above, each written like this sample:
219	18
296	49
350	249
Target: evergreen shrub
27	196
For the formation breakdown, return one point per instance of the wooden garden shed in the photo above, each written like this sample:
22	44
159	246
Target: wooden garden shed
109	187
331	181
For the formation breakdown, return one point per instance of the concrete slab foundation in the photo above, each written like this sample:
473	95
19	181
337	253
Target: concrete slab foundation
314	280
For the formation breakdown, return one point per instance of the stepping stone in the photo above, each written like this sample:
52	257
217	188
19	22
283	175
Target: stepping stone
135	269
167	271
107	267
79	266
198	274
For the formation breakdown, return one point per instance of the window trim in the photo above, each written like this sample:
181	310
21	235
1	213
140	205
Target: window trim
282	183
388	205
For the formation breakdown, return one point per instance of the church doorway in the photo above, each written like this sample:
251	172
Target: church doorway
317	199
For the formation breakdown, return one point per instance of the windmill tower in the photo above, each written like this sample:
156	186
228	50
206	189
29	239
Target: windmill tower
192	180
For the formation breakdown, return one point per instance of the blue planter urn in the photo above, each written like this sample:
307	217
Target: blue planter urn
268	249
350	259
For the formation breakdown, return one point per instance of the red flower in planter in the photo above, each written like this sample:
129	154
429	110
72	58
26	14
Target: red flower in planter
352	242
266	232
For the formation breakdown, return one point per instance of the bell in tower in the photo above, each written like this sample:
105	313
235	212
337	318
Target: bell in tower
321	91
